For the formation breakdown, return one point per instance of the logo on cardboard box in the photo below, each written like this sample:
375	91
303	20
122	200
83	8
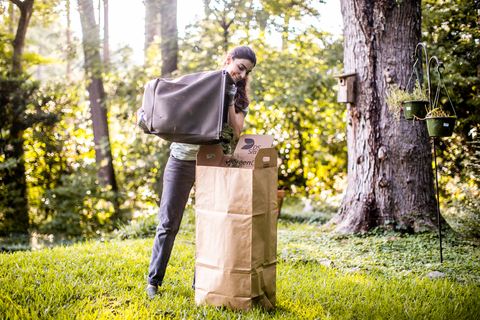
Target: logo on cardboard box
251	146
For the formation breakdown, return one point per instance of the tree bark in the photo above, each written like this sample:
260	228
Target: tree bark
478	66
169	34
98	108
152	22
390	178
26	9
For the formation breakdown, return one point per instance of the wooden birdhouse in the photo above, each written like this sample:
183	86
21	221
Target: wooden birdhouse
346	87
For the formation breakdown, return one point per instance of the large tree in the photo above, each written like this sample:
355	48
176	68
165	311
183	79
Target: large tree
17	109
13	103
106	47
93	70
152	22
161	21
26	9
169	34
390	179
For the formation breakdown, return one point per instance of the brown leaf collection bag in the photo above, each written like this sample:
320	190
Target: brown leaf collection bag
189	109
236	225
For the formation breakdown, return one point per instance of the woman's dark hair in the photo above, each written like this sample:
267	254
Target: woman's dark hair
241	97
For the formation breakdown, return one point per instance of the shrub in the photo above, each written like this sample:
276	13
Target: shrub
80	206
146	227
137	229
465	209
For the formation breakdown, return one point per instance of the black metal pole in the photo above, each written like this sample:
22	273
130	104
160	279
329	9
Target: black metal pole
438	203
439	65
427	63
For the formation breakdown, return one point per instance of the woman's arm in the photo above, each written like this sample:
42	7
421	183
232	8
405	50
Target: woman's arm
236	121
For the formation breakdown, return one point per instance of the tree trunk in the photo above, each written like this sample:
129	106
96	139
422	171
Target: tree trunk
206	8
225	25
152	22
98	108
390	178
26	9
169	34
106	48
17	218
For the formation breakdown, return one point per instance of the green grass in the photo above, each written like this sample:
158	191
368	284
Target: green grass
383	253
106	280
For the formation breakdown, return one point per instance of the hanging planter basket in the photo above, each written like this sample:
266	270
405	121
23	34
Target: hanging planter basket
440	126
439	122
412	109
418	106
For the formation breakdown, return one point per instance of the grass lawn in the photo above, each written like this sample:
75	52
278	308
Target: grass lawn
375	276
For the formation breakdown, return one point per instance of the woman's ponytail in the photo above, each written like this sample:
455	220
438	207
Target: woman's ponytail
241	97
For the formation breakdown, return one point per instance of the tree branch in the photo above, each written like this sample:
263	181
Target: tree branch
20	4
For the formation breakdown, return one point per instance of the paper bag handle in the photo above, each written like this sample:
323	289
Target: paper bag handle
266	158
209	155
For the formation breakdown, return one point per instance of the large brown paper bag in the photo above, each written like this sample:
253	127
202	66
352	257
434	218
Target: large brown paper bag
236	228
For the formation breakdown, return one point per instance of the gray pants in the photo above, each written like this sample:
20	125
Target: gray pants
178	180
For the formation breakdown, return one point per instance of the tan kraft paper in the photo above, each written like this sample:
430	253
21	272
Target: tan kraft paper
236	225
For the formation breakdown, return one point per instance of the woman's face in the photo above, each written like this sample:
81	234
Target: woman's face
238	68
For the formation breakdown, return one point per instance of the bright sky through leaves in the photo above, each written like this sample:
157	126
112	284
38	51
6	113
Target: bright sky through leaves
127	24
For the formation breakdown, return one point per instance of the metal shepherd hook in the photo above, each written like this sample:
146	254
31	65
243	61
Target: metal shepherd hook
439	65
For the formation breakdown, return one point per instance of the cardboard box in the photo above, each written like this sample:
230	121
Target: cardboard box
236	225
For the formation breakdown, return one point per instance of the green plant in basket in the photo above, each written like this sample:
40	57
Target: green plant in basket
438	112
397	98
394	100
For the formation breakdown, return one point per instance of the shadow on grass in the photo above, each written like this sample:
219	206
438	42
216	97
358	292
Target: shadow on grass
318	218
27	242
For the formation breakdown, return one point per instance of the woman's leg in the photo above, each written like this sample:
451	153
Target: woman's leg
178	178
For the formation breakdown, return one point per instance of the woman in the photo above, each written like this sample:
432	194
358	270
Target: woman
179	174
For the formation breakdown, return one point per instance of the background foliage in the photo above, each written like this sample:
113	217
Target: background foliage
64	193
293	98
451	32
